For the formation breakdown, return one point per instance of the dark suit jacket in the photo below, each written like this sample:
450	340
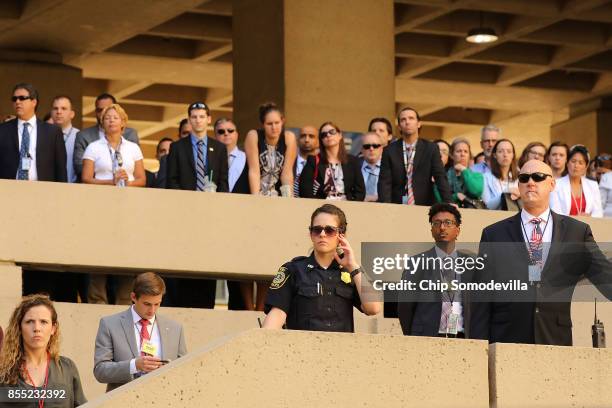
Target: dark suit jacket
181	166
540	315
161	178
419	313
427	164
89	135
354	188
242	184
50	151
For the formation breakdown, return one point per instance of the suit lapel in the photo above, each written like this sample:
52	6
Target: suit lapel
164	337
40	139
188	147
558	233
418	154
128	328
515	230
211	156
15	136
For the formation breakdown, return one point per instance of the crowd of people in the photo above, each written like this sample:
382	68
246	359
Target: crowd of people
314	163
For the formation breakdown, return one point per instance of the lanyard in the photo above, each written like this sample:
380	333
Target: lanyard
529	242
41	402
114	157
444	280
140	332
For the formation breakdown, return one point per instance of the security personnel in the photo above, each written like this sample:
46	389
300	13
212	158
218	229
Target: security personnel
318	292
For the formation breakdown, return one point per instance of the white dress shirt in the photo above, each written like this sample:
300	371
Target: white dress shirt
155	339
69	138
236	162
299	165
32	173
547	230
98	152
456	306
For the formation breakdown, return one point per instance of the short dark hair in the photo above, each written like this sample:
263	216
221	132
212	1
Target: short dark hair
579	149
150	284
332	210
266	108
69	99
445	207
198	105
32	92
164	139
408	108
46	117
381	120
106	95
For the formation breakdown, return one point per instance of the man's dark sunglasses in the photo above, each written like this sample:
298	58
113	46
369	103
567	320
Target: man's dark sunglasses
537	177
330	231
368	146
20	98
222	131
329	132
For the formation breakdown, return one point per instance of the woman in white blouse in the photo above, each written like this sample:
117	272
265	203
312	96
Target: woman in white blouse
575	194
114	160
503	176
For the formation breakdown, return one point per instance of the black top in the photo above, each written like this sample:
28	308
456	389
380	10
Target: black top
314	298
354	187
270	171
427	164
63	375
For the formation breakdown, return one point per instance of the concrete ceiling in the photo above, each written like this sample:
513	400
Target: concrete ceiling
158	55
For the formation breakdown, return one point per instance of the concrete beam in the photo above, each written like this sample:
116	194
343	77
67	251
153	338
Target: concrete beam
196	27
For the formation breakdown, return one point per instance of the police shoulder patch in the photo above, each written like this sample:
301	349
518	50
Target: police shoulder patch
281	277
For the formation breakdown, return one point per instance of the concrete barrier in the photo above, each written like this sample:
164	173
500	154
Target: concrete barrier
262	368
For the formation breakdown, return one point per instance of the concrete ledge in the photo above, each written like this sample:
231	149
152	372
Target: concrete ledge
549	376
262	368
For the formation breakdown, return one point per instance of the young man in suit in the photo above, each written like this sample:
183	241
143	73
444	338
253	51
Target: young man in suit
436	313
193	162
548	253
409	164
91	134
139	340
30	149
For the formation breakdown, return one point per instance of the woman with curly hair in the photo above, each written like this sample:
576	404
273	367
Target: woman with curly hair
30	360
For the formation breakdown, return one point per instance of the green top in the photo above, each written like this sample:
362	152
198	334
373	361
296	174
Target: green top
63	375
469	182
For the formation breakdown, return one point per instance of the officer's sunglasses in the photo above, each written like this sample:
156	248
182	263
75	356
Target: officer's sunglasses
330	231
368	146
20	98
222	131
537	177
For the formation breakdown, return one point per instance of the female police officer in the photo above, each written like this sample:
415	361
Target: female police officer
318	292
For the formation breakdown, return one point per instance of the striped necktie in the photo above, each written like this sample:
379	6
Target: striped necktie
409	169
24	152
200	167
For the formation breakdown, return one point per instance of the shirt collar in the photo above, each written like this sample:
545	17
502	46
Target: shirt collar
313	261
367	165
31	121
441	254
195	139
234	152
136	317
526	217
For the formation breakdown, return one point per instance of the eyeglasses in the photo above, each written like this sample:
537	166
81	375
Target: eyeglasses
537	177
446	223
222	131
369	146
330	231
331	132
20	98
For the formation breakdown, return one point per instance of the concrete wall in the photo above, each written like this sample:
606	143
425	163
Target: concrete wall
287	369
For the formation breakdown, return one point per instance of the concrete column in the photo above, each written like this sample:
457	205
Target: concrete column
318	60
48	75
590	124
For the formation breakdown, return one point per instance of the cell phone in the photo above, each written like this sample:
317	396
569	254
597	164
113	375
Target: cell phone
164	361
340	252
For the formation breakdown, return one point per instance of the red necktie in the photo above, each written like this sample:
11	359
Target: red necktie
144	334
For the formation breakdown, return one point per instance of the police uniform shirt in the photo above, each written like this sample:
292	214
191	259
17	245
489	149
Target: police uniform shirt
314	298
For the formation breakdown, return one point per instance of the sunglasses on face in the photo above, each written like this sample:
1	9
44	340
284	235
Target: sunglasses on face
330	231
222	131
369	146
331	132
20	98
537	177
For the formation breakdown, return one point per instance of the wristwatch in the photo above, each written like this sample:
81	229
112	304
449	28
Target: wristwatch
355	272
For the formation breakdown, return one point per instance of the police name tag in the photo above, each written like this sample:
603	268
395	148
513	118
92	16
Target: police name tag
535	273
148	348
25	163
452	323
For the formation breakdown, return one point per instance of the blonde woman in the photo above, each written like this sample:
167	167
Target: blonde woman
30	359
